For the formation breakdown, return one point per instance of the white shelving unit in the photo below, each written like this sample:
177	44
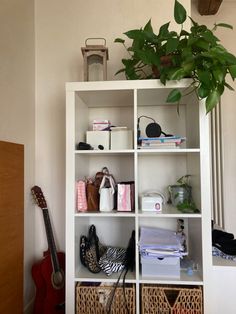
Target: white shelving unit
122	102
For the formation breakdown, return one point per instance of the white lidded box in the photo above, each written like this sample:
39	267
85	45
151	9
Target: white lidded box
152	201
96	138
168	267
121	139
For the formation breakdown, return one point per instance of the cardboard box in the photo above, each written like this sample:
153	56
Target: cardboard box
121	139
168	267
96	138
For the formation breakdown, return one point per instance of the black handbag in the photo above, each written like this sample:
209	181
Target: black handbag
91	250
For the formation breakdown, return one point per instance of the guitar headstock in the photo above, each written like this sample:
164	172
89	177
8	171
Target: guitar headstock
38	196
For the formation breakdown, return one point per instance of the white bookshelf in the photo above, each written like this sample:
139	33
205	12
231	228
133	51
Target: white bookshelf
122	102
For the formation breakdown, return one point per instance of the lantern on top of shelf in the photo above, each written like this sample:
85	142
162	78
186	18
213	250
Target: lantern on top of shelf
95	54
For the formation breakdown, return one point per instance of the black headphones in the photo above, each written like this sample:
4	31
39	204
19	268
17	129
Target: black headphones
152	129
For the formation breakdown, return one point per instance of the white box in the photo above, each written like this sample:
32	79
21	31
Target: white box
168	267
152	203
121	139
96	138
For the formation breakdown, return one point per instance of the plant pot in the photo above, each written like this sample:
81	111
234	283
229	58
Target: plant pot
166	61
179	194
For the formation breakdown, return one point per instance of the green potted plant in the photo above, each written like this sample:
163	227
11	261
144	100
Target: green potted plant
181	195
171	55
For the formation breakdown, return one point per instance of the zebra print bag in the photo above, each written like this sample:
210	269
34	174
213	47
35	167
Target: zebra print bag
113	260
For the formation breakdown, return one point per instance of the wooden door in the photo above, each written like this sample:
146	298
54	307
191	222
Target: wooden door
11	227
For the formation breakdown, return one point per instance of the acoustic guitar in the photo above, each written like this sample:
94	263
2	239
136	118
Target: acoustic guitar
48	274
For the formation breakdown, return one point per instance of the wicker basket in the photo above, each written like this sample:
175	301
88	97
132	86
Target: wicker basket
92	299
171	300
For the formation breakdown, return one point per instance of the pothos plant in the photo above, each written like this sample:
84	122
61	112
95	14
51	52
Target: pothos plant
195	54
186	205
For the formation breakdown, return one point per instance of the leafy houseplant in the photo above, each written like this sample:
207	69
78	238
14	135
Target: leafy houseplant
169	55
181	195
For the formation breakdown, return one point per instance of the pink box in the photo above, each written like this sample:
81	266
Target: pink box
99	125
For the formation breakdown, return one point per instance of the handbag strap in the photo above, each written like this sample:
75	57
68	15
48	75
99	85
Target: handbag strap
111	181
153	193
93	239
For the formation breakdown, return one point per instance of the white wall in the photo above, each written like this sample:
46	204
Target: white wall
221	283
17	104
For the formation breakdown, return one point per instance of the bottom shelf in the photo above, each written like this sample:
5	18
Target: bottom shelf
185	279
107	298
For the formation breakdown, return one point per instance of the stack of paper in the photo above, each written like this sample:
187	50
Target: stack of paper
161	243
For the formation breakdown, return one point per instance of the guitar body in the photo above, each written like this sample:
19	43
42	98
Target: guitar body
48	299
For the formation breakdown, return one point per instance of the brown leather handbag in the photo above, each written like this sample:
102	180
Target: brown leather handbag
92	196
92	190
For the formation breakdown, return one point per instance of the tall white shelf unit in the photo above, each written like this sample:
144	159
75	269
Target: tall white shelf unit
122	102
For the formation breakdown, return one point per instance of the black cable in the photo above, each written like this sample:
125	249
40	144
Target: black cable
126	303
128	265
111	297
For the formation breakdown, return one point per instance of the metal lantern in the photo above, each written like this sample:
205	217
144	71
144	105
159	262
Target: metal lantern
95	54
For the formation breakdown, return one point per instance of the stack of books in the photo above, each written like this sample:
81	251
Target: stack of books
162	142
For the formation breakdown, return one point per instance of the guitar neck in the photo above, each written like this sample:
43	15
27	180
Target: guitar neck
50	239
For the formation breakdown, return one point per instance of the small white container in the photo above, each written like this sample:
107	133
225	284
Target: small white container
121	139
168	267
96	138
152	201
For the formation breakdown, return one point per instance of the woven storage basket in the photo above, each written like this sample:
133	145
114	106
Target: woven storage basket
92	299
171	300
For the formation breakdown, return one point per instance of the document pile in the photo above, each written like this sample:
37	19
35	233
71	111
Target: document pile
161	243
160	251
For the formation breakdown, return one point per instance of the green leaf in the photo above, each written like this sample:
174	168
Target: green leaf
174	96
129	62
205	78
209	37
224	25
184	33
179	13
202	44
212	100
148	57
195	24
163	78
176	74
188	66
163	31
232	71
202	91
119	40
148	27
133	34
171	45
228	86
120	71
219	74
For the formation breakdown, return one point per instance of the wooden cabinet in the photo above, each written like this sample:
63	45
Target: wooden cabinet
12	227
122	102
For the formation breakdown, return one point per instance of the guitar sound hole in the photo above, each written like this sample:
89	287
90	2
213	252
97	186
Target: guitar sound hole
58	280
